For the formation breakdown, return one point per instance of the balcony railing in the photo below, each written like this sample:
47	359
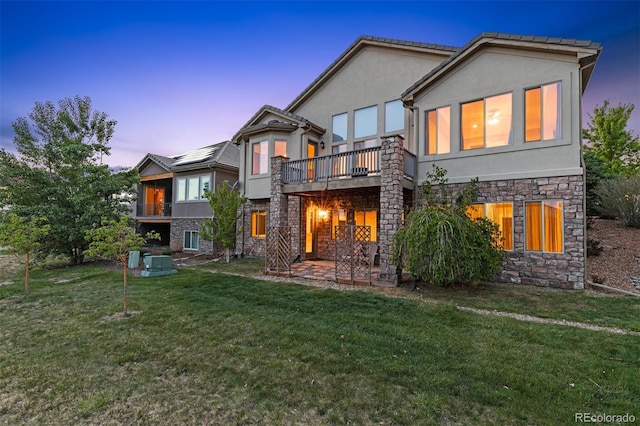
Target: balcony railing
363	162
157	209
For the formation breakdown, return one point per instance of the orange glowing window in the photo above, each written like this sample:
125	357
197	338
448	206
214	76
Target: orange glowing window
543	113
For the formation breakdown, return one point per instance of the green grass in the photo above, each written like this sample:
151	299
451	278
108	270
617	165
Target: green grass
209	348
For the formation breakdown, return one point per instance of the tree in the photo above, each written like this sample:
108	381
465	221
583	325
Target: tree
23	237
58	171
620	197
113	241
610	141
440	244
224	202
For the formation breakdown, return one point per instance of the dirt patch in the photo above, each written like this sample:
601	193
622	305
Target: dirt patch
119	316
10	265
618	265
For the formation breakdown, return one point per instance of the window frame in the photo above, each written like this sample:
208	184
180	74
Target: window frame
387	105
543	221
191	239
183	183
427	132
343	116
541	109
356	135
503	234
255	223
261	154
485	122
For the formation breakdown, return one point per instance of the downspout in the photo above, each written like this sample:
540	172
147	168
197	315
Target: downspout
416	134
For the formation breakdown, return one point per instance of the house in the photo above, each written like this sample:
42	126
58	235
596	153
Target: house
171	197
331	175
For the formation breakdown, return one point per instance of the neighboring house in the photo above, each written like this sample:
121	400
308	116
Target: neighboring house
171	193
354	147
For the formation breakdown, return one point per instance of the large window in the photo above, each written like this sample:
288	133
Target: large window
393	116
259	223
192	188
365	122
544	226
438	134
499	213
339	127
367	218
260	158
542	113
191	240
487	122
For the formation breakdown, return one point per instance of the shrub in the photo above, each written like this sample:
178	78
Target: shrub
620	197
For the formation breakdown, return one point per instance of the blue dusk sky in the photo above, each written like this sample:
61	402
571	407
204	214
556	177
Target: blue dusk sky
182	75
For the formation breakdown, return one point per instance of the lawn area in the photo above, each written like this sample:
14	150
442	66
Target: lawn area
206	347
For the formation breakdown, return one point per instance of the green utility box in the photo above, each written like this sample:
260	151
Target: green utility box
157	265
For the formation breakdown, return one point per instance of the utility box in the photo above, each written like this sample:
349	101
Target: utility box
157	265
134	260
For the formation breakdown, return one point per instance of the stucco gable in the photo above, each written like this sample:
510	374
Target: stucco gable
270	117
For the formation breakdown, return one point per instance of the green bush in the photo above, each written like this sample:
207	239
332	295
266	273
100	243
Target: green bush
620	197
440	244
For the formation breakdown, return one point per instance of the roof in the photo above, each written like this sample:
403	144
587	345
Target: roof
358	45
219	154
588	47
253	124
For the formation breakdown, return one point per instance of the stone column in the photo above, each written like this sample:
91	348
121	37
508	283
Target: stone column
279	205
391	203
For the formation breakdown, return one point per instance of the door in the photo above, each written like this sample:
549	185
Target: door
310	237
154	201
312	152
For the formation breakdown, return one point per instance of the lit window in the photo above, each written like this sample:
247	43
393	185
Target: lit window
543	226
393	116
368	218
192	188
191	240
339	127
280	149
339	163
259	223
366	161
499	213
487	122
365	122
542	113
338	218
438	135
260	158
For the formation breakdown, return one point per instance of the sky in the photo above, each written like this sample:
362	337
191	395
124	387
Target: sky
182	75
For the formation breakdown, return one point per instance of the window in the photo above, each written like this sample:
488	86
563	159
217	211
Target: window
393	116
260	158
338	218
438	134
339	127
365	122
543	226
368	218
366	161
339	164
280	148
259	223
499	213
542	113
191	240
487	122
192	188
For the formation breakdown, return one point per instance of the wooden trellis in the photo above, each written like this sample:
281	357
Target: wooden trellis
278	255
354	253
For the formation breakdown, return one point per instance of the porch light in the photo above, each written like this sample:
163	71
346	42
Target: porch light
322	144
323	214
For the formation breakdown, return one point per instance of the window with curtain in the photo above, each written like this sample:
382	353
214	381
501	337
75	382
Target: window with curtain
544	226
259	223
499	213
487	122
438	134
367	218
543	113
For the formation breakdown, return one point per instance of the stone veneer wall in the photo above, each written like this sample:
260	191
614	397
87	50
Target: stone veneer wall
180	225
245	243
561	270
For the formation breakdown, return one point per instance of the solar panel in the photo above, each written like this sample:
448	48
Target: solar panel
195	156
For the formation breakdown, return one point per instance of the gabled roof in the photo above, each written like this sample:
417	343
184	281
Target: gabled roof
221	154
581	48
162	161
357	46
290	123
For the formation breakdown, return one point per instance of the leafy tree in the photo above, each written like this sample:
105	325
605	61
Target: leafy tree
440	244
23	237
610	141
113	241
224	202
58	172
620	197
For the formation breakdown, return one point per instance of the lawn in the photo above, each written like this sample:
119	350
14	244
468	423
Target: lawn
205	347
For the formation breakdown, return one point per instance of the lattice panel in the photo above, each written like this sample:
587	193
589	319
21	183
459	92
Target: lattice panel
278	255
353	252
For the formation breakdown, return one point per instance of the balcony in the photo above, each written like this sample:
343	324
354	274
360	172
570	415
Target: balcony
153	210
345	165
